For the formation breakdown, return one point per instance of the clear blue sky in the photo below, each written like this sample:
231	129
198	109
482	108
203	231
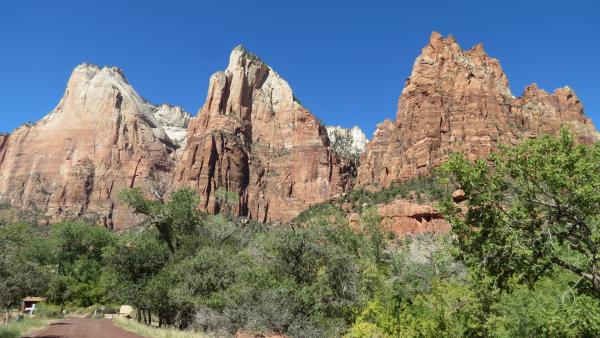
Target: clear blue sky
346	60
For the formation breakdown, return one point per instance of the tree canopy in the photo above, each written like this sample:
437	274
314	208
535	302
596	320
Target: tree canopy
531	209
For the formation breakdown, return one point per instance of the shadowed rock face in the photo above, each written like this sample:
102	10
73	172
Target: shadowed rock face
253	138
3	143
102	137
459	101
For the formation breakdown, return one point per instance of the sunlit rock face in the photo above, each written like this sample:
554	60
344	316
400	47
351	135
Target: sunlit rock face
253	138
347	142
460	101
102	137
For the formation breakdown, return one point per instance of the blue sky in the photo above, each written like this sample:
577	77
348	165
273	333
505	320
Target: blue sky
347	61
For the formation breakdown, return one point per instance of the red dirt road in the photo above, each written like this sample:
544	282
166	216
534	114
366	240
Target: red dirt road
83	328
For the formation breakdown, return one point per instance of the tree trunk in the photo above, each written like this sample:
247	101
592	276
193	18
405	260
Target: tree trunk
6	316
138	317
149	317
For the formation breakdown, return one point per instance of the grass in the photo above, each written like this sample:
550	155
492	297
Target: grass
16	329
154	332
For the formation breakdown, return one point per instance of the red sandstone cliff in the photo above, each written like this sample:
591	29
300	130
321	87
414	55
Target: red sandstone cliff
459	101
253	138
102	137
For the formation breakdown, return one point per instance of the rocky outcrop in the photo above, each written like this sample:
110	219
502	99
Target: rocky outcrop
404	217
102	137
348	143
459	101
253	138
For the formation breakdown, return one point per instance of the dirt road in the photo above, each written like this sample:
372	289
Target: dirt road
83	328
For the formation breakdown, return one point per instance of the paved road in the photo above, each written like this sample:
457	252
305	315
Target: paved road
83	328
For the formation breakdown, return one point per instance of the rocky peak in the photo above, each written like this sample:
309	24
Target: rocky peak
90	88
255	95
253	138
459	101
439	44
539	112
101	137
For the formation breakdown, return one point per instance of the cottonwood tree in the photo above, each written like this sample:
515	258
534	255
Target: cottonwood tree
134	261
174	219
531	209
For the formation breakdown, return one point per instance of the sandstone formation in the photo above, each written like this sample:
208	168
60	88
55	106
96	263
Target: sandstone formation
254	139
459	101
347	142
404	217
102	137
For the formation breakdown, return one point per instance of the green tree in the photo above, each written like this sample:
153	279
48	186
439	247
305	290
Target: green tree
75	258
551	309
174	220
133	262
531	209
227	200
19	276
370	221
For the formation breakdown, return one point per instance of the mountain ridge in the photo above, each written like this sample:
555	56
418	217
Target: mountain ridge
253	137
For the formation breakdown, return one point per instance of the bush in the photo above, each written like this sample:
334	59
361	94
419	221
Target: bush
48	310
423	189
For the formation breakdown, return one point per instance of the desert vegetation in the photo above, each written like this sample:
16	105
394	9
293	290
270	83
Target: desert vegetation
521	260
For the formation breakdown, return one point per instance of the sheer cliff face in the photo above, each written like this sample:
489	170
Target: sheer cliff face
253	138
459	101
102	137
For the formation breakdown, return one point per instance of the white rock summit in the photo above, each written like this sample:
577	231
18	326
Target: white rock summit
101	137
348	142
